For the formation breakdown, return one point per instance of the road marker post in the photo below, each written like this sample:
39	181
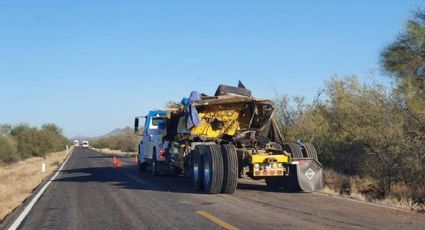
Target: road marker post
43	167
114	161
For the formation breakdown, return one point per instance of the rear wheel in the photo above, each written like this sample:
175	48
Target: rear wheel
197	170
230	164
293	149
154	164
311	151
213	169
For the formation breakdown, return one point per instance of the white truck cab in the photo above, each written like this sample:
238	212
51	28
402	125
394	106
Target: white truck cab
152	146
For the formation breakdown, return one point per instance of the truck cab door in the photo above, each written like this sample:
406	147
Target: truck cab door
147	144
155	127
142	131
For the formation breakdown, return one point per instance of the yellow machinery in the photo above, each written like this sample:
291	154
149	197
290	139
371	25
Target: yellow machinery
216	139
228	119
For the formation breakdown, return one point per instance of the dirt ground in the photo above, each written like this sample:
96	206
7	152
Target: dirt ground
18	180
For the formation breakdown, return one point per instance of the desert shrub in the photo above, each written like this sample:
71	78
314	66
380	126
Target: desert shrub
361	131
127	142
23	141
8	150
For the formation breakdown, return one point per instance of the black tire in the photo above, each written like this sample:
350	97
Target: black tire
230	164
154	164
311	151
197	164
213	169
225	89
293	149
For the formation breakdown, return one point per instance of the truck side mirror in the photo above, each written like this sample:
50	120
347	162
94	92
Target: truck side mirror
137	131
136	125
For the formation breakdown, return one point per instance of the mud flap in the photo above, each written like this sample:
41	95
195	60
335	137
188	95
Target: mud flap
309	173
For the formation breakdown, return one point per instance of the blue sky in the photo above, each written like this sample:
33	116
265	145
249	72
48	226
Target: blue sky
91	66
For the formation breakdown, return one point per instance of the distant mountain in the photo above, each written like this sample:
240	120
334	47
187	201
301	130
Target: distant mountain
115	132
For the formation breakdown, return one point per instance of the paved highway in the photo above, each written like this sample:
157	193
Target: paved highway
89	193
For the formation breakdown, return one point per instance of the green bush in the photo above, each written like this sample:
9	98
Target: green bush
23	141
360	130
8	150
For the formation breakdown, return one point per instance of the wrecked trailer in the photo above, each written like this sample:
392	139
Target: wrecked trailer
216	139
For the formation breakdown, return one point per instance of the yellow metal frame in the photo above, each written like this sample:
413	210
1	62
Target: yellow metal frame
261	158
228	117
267	165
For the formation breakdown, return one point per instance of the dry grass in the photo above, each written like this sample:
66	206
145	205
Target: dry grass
365	189
20	179
402	203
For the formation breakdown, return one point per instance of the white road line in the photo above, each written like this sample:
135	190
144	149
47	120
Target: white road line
360	201
28	208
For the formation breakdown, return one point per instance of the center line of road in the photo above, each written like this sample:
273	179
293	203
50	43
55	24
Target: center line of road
216	220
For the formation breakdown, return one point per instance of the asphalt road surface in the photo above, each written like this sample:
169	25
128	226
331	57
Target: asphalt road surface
89	193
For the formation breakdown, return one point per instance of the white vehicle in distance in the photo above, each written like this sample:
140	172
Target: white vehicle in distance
85	144
76	143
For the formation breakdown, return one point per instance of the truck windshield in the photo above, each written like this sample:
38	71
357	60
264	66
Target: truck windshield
157	122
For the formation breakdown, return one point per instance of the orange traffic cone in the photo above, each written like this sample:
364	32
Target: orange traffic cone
119	163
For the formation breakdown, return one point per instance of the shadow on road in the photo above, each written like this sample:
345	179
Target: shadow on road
261	188
248	186
127	177
102	157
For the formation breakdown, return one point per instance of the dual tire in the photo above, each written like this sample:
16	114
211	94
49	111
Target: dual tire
310	150
197	166
305	150
215	168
